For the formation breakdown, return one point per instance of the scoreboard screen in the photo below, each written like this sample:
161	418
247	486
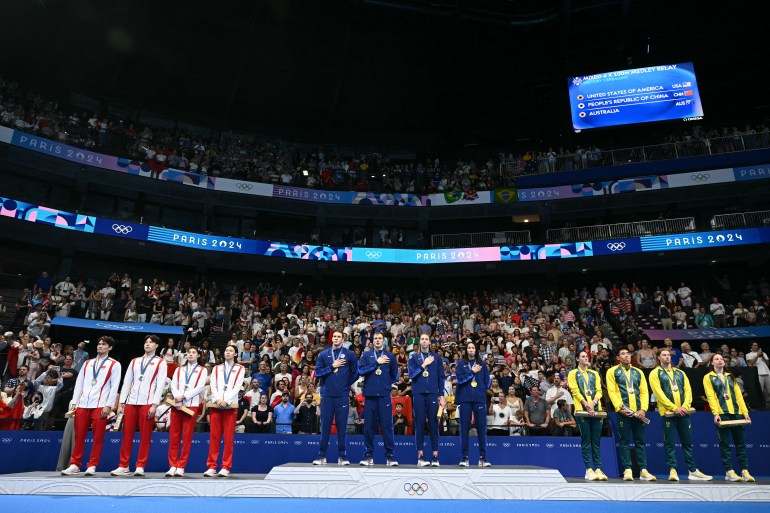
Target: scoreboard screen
640	95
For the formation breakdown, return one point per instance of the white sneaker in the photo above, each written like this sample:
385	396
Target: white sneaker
699	476
210	473
644	475
224	473
464	462
139	472
90	472
343	461
72	470
319	461
120	471
179	472
367	462
171	472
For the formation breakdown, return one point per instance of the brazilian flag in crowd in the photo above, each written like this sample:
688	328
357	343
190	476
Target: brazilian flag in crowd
506	196
453	195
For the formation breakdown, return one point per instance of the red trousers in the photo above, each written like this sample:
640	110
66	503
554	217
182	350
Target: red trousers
132	415
181	426
85	418
221	424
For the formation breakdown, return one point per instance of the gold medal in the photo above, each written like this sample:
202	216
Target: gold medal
378	372
474	384
675	388
425	374
337	370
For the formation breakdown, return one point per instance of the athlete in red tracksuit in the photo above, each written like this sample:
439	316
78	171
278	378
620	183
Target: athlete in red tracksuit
96	389
226	382
187	385
139	398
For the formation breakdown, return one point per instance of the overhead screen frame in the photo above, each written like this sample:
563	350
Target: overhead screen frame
651	94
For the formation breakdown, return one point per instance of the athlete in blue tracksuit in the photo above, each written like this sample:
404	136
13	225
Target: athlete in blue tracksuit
473	381
426	370
338	369
380	371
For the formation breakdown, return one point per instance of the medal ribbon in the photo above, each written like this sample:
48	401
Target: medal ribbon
97	368
143	366
227	372
188	374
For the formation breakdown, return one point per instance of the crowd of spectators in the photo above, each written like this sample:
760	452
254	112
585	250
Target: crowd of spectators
529	340
280	163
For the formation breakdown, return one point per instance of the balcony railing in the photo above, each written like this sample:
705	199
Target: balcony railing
755	219
480	239
588	158
621	230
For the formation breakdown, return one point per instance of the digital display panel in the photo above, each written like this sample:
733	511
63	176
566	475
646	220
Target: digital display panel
639	95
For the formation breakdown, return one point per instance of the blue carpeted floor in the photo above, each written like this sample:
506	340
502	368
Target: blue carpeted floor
207	505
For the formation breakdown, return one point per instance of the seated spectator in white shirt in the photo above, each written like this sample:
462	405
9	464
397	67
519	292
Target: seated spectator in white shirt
690	358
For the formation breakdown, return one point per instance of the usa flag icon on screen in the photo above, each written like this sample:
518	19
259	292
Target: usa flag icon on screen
686	84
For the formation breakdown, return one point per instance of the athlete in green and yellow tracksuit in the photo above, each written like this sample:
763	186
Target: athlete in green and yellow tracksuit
627	388
674	395
586	387
726	403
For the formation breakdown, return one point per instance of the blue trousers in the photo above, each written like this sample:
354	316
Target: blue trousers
425	405
478	410
378	410
334	408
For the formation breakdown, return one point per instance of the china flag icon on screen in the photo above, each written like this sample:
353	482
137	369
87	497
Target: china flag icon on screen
688	93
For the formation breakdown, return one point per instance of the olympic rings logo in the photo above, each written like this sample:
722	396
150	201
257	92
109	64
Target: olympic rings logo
550	446
164	440
122	229
7	440
244	186
616	246
700	177
124	327
373	255
415	488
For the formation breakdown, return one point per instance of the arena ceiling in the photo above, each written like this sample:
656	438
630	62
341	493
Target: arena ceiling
465	70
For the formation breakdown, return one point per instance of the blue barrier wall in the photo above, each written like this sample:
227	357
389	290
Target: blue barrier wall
26	451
